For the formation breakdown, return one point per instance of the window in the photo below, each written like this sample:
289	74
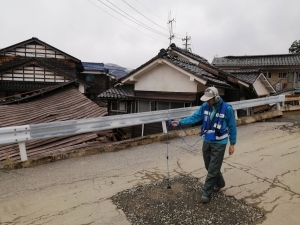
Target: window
89	77
163	105
119	106
268	75
281	75
175	105
153	105
187	104
146	106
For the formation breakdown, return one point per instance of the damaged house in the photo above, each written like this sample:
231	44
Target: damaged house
39	84
175	78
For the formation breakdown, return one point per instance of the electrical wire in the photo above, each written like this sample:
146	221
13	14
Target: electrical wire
144	15
138	22
150	11
126	23
156	16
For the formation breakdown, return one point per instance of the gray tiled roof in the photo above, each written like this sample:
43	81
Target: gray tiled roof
258	60
188	66
189	54
195	70
248	76
125	91
88	66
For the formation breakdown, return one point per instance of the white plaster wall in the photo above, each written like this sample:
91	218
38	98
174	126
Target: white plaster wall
260	89
165	78
81	88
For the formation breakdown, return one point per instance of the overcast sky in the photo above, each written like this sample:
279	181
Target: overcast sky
217	27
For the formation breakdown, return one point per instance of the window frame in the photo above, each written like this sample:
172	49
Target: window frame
267	74
118	106
155	105
282	75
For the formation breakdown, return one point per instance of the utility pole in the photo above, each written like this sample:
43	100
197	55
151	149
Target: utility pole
170	23
185	44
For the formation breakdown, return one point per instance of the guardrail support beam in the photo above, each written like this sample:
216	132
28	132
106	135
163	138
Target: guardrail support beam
278	106
235	114
23	152
164	126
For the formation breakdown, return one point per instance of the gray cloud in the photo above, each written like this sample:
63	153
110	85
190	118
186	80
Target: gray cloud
78	27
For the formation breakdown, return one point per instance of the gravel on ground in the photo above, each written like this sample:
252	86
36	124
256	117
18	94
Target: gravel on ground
155	204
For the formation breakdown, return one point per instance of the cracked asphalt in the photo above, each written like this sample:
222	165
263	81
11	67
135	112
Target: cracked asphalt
263	172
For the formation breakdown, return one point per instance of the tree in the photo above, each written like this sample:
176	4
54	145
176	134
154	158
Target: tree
295	47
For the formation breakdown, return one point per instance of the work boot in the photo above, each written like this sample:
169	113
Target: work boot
204	199
218	188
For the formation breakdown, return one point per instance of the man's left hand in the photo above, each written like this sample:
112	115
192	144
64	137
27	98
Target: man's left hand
231	149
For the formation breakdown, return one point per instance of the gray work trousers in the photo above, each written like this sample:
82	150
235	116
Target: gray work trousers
213	155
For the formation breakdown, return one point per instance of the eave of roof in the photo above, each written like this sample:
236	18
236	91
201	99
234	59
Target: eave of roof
32	94
189	54
43	62
125	91
34	39
248	76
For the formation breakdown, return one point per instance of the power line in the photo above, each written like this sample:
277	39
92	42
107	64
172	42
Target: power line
126	23
150	11
153	14
139	23
143	15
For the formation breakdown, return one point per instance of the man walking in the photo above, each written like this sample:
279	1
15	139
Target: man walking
218	124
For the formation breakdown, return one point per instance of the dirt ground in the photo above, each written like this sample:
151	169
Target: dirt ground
155	204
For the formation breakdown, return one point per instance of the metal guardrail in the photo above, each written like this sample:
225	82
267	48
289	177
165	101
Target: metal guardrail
21	134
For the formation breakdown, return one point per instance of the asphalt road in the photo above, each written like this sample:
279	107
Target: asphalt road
264	172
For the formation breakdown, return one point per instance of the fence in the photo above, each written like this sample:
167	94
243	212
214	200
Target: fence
21	134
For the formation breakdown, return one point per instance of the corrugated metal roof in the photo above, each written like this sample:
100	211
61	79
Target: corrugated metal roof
60	105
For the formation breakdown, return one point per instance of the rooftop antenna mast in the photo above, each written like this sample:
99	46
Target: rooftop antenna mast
185	43
170	23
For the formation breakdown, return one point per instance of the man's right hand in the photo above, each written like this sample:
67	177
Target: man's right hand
175	123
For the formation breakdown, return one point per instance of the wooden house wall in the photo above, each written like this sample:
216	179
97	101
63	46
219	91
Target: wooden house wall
32	73
35	50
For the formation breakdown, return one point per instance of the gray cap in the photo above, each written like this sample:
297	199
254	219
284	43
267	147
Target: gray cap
209	93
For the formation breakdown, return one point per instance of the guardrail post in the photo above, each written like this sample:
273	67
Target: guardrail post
235	114
248	111
164	126
23	152
143	126
278	105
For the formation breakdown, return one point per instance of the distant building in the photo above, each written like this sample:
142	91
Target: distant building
282	71
116	70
